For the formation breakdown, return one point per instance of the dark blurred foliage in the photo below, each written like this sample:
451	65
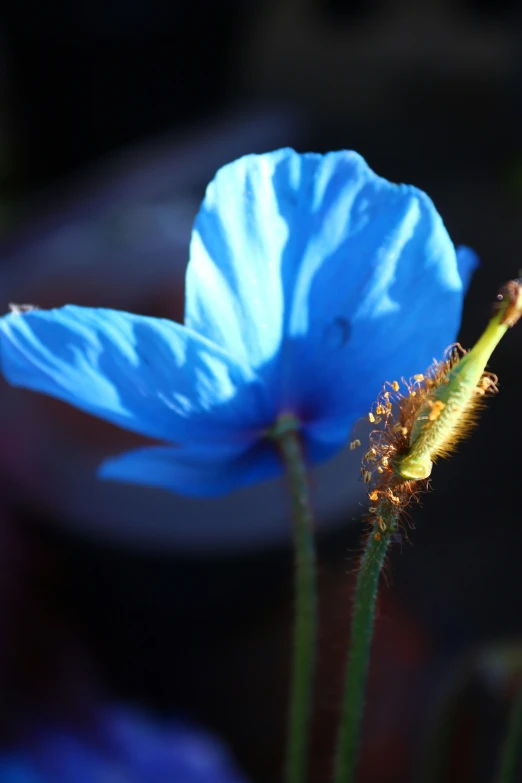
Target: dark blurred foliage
208	636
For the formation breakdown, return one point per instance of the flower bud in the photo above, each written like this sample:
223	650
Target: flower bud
449	397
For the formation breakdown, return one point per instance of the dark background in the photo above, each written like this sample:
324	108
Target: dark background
430	94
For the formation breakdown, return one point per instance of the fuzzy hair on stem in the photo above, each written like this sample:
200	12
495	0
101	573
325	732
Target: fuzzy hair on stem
437	410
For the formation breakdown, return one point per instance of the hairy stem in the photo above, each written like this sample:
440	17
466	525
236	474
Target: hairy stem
359	652
304	639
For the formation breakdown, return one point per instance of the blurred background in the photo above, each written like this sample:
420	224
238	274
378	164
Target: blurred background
113	117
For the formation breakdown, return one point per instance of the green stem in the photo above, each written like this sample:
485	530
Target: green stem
304	640
359	652
511	752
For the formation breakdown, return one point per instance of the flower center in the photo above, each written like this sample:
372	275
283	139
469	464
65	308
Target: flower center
285	423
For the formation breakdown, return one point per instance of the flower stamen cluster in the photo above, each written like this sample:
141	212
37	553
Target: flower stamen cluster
435	412
387	491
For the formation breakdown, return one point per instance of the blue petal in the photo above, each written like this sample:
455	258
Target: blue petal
122	748
467	261
169	752
325	277
148	375
66	757
386	315
197	471
234	291
16	769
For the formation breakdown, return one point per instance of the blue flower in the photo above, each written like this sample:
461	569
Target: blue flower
121	748
311	281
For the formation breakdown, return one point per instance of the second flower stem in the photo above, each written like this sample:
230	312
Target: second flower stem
359	653
510	763
305	628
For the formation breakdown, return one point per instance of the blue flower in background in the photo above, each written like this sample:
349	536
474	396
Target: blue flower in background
124	748
311	281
